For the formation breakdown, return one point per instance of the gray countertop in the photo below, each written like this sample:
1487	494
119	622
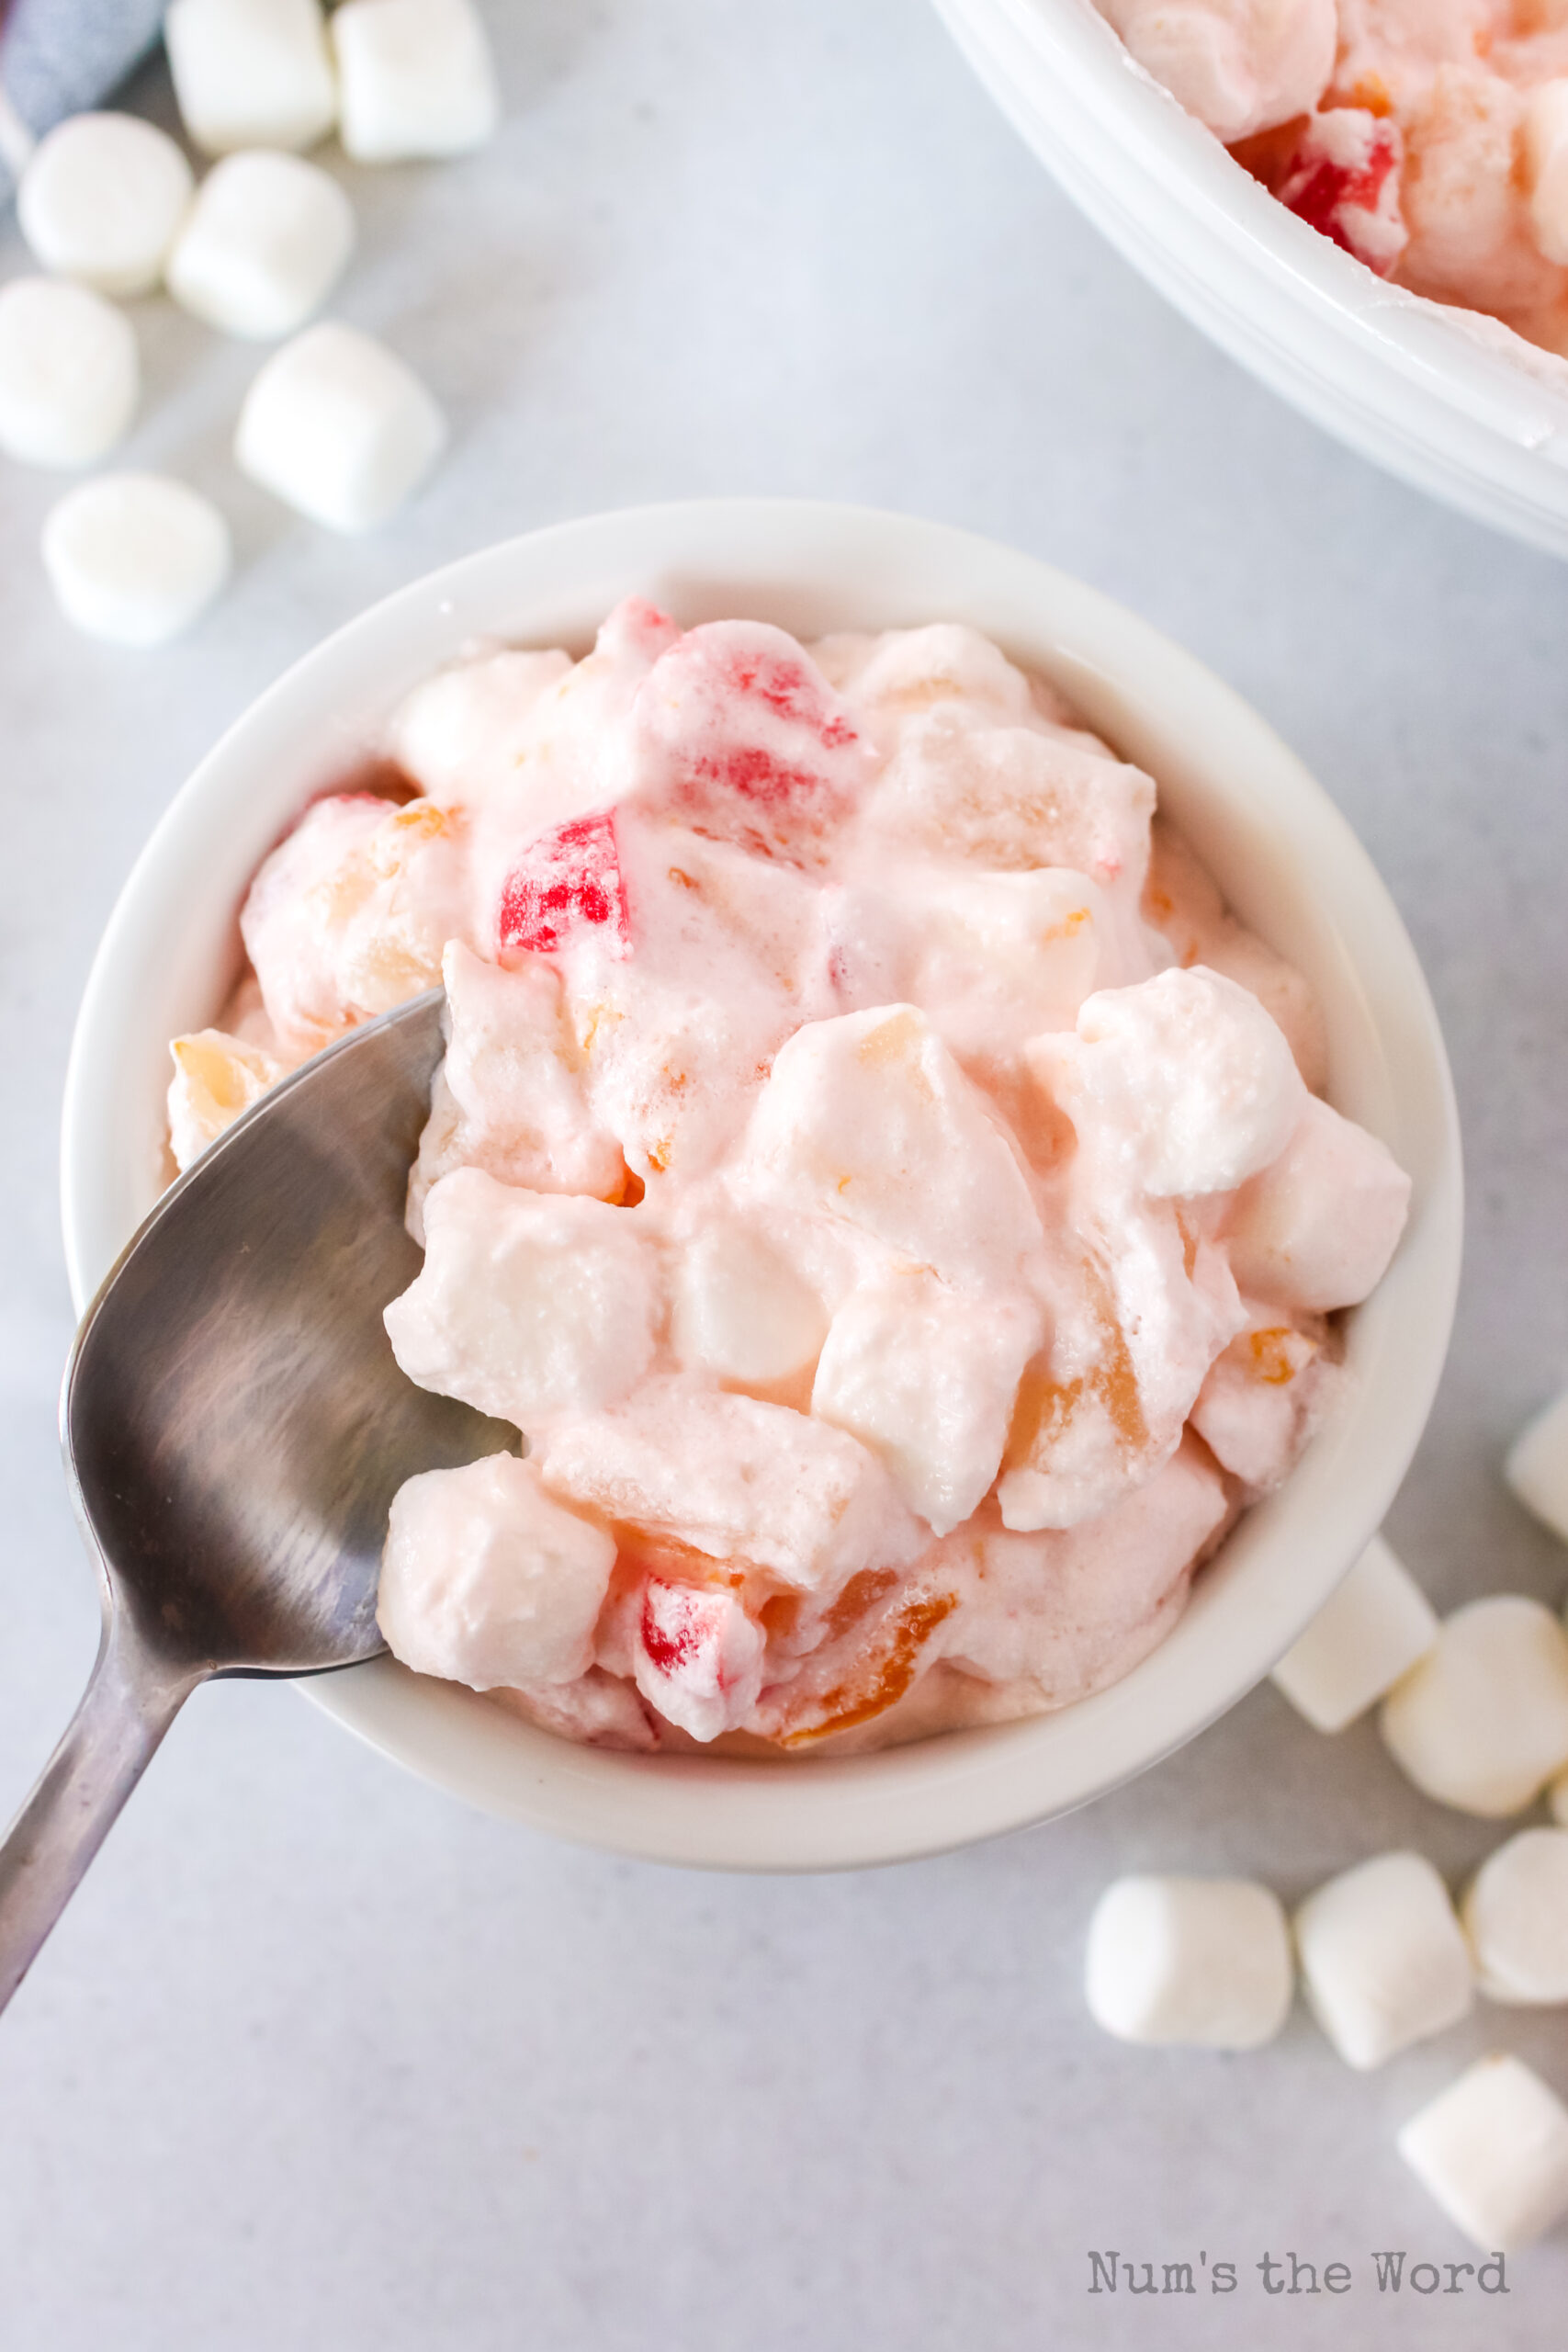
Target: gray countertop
320	2059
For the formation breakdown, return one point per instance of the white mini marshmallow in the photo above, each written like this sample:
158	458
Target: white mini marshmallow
1546	167
1377	1624
528	1302
250	73
1481	1722
1182	1080
739	1311
339	428
1493	2150
135	558
101	200
1318	1227
264	244
417	78
1537	1468
69	377
926	1376
737	1478
486	1580
1516	1914
1383	1961
869	1118
1202	1961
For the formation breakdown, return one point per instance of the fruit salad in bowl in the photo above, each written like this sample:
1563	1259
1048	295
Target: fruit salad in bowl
941	1153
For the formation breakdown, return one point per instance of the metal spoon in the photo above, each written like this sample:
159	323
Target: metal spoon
235	1427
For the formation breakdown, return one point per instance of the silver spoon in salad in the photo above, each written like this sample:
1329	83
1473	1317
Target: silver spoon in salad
235	1426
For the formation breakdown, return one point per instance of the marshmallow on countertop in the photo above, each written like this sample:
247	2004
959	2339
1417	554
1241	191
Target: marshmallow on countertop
250	73
1200	1960
1493	2150
339	428
1537	1467
1546	167
1516	1914
102	200
1383	1961
264	244
1481	1722
135	558
417	79
69	374
1373	1629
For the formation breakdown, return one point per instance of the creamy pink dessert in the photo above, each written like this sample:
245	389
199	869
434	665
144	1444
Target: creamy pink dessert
889	1191
1428	137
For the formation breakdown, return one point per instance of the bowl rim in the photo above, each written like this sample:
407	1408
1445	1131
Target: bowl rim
1448	399
778	557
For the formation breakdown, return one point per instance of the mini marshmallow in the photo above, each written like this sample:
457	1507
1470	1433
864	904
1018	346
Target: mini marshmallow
739	1311
135	558
417	79
1493	2150
1383	1961
250	73
1182	1080
267	240
101	200
1481	1722
926	1376
528	1302
69	375
1201	1960
1376	1626
868	1117
737	1478
1238	69
1320	1224
1546	167
338	428
1537	1468
1516	1914
486	1580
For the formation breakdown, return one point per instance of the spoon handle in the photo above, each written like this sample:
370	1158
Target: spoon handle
130	1703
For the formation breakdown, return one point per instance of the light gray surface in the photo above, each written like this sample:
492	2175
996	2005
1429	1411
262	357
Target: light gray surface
319	2059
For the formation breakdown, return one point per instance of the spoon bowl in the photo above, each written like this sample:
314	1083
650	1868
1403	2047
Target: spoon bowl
235	1426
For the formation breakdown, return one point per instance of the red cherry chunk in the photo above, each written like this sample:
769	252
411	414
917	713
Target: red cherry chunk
566	882
743	735
1344	180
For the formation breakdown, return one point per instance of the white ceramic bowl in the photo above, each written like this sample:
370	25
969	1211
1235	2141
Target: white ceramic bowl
1448	401
1286	859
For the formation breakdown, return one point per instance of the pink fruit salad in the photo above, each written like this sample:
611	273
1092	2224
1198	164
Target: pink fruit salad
892	1194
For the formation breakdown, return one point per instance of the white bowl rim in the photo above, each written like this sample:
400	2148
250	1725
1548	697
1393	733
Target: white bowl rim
1446	398
784	558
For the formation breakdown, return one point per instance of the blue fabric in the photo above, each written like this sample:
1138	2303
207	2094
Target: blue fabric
58	57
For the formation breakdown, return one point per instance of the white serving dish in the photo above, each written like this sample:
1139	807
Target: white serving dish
1291	867
1450	400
